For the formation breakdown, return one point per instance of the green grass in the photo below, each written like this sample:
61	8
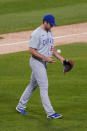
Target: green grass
1	38
19	15
68	93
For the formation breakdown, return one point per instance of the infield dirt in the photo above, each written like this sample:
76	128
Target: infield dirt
15	42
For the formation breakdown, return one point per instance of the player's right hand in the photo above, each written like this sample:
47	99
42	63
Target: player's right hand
49	59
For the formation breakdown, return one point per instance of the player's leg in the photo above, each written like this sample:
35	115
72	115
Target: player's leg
40	73
43	84
27	93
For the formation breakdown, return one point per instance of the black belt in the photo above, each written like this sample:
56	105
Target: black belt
39	59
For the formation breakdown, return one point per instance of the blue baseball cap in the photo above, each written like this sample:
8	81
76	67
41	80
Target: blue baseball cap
50	19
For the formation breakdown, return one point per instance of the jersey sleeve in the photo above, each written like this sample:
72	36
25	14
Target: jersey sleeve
34	41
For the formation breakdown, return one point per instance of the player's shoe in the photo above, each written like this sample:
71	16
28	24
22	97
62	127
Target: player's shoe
55	116
22	111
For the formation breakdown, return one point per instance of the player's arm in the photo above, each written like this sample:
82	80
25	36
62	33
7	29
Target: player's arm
35	53
58	55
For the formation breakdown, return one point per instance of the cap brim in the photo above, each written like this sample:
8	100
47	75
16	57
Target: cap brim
54	24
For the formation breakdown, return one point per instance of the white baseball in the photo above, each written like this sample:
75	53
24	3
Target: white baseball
59	51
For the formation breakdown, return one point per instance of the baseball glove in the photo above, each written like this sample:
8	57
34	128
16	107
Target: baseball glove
67	65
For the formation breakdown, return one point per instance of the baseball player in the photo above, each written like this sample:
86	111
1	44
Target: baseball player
41	48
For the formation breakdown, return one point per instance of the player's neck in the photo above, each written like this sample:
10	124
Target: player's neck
43	27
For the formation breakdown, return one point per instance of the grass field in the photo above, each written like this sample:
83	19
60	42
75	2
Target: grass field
68	93
1	37
19	15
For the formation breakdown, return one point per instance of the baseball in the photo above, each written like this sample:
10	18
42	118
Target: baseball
59	51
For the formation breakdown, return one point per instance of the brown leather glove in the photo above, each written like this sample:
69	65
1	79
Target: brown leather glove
67	65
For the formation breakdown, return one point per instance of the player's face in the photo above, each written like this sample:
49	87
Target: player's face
47	26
